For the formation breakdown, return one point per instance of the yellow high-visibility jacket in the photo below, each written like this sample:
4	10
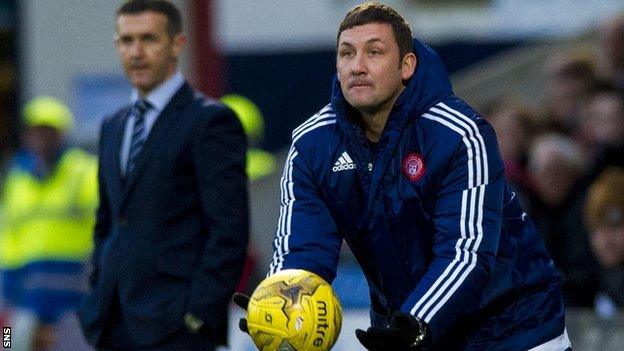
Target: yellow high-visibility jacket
50	218
260	164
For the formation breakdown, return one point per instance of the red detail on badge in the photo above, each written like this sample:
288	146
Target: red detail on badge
413	167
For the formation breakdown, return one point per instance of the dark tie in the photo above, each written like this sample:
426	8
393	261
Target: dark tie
139	109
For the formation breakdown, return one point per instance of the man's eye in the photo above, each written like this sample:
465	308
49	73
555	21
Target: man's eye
346	53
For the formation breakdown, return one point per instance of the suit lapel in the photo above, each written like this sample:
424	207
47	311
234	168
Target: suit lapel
170	114
112	161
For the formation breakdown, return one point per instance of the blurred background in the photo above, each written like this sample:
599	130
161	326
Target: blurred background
548	75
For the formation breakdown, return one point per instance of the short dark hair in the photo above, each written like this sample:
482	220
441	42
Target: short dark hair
372	12
174	19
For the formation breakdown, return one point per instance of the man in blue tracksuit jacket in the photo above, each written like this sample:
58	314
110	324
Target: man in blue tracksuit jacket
411	178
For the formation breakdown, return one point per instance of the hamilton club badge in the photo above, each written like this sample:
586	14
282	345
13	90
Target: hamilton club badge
413	166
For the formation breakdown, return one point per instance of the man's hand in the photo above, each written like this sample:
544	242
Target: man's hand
242	301
44	338
405	332
192	323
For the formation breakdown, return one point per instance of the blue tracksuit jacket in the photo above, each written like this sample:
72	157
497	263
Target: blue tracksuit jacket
429	217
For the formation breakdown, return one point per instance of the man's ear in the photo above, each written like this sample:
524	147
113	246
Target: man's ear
408	66
179	40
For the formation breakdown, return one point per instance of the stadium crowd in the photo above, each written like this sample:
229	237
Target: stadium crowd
564	159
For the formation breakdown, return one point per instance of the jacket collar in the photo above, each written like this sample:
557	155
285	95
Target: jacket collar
428	85
162	94
31	163
165	121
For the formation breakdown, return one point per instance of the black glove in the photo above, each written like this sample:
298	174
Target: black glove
405	332
242	301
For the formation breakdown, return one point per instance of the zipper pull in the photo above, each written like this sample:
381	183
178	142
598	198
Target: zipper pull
370	166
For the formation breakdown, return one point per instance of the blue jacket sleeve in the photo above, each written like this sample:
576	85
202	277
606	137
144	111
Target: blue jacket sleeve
103	216
467	218
306	236
219	149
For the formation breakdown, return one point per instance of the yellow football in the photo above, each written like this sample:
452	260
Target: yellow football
294	310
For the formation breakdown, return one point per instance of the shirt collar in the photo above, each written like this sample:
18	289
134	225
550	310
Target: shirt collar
160	96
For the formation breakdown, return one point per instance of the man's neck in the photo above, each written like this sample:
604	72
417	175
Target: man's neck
374	122
44	162
374	125
143	94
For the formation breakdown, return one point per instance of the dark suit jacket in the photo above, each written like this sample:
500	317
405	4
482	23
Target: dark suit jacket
172	237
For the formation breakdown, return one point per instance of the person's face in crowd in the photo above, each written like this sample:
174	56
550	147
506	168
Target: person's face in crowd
604	120
147	50
612	43
42	141
608	245
370	69
553	176
563	98
510	133
554	182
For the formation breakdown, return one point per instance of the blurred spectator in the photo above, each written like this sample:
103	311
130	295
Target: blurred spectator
558	166
48	204
612	51
568	79
259	162
604	216
601	129
515	126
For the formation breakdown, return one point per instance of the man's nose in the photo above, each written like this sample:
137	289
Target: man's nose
358	65
136	49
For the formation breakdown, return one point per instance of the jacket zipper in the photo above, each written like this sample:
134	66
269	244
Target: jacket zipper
393	233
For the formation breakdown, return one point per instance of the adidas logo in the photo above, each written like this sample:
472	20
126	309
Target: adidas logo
344	163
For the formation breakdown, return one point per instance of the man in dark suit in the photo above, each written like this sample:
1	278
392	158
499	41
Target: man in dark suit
172	225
